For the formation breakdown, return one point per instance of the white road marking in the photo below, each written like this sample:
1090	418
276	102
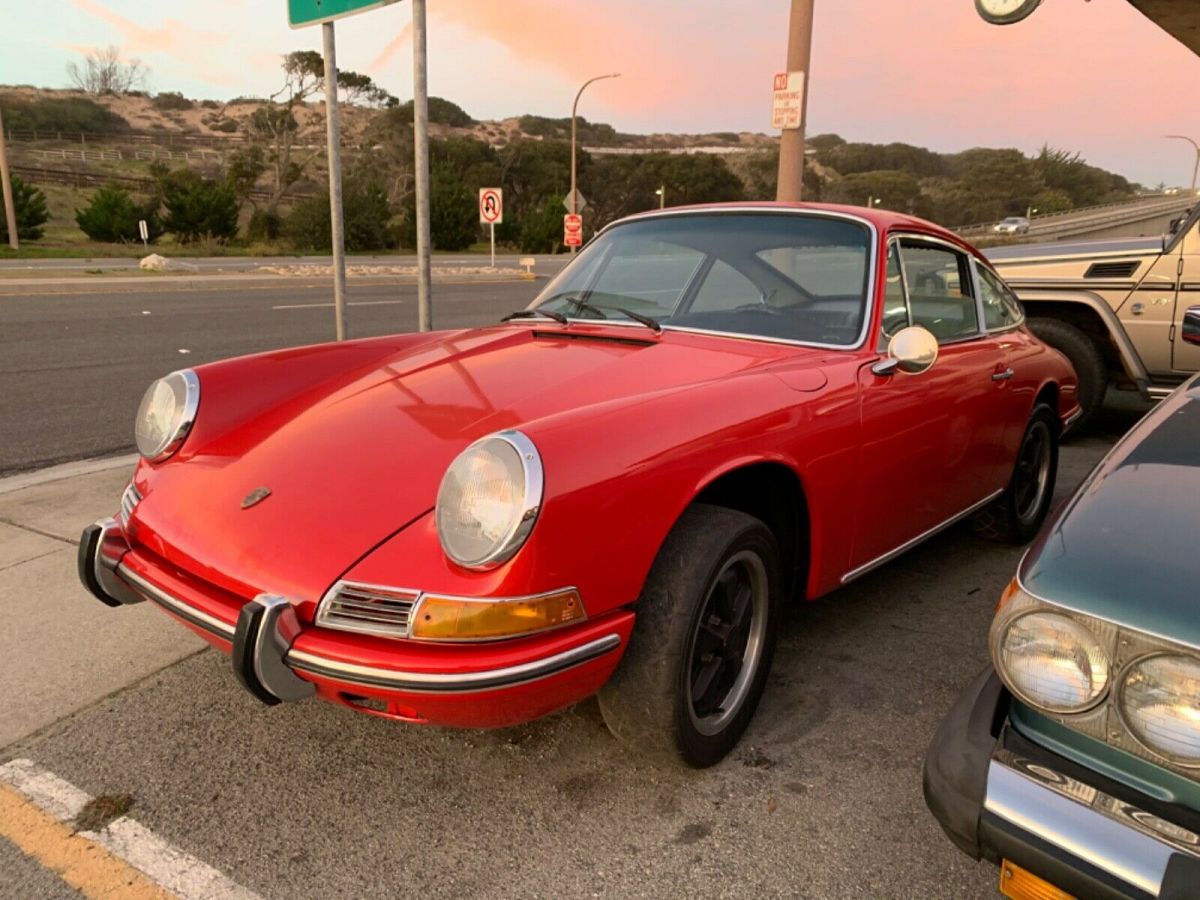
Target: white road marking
330	305
166	865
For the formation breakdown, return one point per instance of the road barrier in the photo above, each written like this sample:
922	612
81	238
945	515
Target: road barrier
36	174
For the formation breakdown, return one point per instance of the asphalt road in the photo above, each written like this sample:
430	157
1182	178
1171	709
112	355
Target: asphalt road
821	799
250	263
74	363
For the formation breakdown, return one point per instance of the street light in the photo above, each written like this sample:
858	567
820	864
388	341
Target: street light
874	201
661	194
1196	169
574	108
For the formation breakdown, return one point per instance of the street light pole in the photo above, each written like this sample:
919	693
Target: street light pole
1196	168
662	197
574	109
791	144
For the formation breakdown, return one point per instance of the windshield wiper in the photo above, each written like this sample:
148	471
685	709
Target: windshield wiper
580	303
535	313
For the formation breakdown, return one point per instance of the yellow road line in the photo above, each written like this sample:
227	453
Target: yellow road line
83	864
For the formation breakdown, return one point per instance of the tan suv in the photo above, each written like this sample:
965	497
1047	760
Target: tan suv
1118	313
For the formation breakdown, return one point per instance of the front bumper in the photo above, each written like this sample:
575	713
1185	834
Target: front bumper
277	659
999	796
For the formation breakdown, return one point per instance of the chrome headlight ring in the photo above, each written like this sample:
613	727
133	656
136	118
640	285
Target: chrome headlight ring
166	414
489	500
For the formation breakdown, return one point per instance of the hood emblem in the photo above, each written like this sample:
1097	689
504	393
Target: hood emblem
256	496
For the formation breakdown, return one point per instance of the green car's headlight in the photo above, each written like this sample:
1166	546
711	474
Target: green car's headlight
489	500
166	414
1160	704
1052	662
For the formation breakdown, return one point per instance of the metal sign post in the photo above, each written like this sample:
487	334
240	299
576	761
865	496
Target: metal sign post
333	141
491	212
421	165
144	234
10	210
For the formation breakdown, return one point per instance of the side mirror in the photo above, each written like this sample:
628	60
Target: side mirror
911	350
1191	326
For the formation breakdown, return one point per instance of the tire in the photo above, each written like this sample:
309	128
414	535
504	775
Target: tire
649	703
1084	356
1017	514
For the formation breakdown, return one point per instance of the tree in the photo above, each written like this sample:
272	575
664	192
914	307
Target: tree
898	190
356	88
273	127
441	112
198	208
104	72
29	203
112	216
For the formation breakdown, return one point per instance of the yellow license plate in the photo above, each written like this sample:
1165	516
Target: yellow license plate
1021	884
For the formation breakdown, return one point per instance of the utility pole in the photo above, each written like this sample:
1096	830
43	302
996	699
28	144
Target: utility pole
333	144
791	145
10	210
421	164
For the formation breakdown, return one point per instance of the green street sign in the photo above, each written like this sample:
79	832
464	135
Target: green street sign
302	13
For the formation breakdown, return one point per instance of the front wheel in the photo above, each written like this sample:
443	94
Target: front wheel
705	635
1018	513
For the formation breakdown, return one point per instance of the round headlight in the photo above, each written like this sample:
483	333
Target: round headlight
489	500
1053	662
166	414
1160	703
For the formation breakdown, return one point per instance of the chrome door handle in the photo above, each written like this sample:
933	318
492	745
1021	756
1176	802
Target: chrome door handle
1003	376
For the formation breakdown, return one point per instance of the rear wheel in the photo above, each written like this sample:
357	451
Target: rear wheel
705	635
1018	513
1084	356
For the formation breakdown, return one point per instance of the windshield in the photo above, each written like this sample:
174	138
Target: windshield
791	276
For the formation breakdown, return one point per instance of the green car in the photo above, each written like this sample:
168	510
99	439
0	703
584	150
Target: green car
1073	762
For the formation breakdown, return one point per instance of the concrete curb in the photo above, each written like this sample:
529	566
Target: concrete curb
63	472
28	286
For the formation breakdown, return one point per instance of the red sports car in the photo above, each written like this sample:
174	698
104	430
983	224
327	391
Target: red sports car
710	411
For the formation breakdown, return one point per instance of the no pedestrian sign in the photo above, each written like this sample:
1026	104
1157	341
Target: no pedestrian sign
491	206
573	230
787	103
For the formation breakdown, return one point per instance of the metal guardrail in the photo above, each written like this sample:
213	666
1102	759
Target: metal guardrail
158	138
1053	220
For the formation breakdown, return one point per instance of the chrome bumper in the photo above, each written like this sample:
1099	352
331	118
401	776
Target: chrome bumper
264	659
1084	827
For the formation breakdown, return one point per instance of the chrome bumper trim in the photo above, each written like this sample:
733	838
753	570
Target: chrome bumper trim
1115	837
1070	420
391	679
153	592
1159	393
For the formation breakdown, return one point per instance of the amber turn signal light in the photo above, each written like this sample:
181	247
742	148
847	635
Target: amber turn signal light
1021	884
458	618
1011	590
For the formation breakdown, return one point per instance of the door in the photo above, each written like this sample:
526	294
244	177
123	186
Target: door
928	440
1185	354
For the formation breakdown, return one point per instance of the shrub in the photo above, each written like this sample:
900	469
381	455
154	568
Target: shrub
441	112
172	100
264	226
29	203
228	126
77	114
112	216
365	211
210	104
198	208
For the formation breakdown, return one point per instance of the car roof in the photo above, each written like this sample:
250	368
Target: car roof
884	220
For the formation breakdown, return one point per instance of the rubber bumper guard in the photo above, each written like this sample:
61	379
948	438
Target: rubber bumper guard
266	628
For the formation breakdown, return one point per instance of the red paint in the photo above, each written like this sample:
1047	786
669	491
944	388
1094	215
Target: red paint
353	439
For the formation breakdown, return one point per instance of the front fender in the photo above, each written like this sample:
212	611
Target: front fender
618	478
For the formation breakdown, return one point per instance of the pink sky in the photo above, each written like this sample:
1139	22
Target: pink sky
1095	77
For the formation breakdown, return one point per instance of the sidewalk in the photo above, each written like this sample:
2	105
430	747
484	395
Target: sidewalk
60	648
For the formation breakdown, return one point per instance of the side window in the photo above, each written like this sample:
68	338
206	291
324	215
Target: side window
1001	308
895	301
725	288
939	290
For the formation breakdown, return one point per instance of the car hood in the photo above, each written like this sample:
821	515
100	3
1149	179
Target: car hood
1124	549
353	460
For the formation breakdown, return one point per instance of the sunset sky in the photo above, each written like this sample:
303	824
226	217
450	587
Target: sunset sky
1094	77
